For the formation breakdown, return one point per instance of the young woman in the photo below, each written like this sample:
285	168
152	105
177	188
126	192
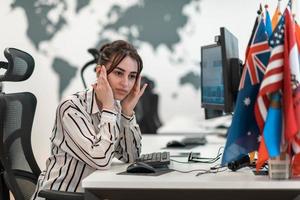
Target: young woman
94	126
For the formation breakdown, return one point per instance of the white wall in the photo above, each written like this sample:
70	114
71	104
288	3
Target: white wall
236	15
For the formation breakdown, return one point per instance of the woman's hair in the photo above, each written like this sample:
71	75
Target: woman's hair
113	53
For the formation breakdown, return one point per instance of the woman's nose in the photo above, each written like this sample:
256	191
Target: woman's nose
124	81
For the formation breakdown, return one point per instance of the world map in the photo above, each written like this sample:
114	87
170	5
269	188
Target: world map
146	21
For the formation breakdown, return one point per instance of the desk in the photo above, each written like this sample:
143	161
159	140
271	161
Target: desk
242	184
192	124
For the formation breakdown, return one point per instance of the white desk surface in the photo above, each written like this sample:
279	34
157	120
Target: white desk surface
242	179
179	125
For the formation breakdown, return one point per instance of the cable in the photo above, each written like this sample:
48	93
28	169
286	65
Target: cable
194	170
195	159
180	161
204	159
213	170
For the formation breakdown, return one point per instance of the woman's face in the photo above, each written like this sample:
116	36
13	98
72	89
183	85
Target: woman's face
122	78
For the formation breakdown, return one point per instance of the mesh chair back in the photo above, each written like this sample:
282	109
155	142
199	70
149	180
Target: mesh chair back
21	170
16	117
19	67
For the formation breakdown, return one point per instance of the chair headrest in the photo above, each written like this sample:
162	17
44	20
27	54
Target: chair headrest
19	67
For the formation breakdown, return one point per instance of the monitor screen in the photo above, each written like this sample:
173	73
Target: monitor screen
212	87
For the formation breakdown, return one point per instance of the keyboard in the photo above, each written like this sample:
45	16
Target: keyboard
155	159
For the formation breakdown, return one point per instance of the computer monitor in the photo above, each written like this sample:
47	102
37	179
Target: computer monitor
212	83
220	75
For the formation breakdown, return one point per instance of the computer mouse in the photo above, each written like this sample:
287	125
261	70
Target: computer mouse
222	126
175	143
140	167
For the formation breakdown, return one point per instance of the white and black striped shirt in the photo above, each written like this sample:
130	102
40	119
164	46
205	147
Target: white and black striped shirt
84	140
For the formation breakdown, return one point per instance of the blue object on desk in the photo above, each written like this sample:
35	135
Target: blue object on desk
140	167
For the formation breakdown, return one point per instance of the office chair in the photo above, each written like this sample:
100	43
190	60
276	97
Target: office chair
147	109
20	170
4	192
95	55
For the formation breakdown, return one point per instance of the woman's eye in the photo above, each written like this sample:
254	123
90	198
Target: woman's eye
118	73
132	76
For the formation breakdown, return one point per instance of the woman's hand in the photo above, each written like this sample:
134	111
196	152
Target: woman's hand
103	90
129	103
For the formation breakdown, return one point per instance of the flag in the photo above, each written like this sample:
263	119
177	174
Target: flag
276	16
296	88
285	78
273	126
268	22
243	133
297	35
272	82
291	75
296	143
259	12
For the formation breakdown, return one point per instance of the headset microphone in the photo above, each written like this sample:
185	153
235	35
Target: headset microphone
240	163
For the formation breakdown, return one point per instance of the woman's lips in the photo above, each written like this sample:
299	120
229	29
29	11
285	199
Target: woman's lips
121	91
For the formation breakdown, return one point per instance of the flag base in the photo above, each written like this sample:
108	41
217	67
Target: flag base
279	167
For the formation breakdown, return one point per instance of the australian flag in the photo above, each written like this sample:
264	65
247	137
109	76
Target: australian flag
243	134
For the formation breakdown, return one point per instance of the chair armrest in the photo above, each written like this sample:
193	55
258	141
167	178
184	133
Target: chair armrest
57	195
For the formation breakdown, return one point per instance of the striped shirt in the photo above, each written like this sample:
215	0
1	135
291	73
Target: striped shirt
85	139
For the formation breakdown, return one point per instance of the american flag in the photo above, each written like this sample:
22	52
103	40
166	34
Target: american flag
272	80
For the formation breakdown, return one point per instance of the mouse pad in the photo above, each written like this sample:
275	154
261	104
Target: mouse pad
159	171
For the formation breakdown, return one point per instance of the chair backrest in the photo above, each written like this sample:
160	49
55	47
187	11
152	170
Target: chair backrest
19	67
147	109
16	117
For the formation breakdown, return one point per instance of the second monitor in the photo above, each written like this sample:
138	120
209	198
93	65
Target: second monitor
220	75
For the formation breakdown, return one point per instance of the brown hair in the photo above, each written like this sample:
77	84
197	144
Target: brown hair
113	53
